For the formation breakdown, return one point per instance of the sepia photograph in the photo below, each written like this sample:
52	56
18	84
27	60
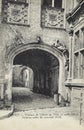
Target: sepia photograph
41	64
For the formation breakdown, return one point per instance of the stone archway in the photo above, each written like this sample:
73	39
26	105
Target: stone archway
21	48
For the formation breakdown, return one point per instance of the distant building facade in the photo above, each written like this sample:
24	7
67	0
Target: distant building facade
75	82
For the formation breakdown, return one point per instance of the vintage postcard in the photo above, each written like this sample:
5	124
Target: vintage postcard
41	64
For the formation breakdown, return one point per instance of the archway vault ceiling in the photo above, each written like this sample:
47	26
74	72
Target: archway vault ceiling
36	59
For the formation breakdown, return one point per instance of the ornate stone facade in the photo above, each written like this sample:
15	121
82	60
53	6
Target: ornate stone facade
52	17
15	12
17	40
76	81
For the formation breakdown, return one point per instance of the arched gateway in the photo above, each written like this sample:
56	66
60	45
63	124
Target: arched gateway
10	56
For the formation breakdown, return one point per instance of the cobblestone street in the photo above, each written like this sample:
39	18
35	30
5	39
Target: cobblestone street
24	99
32	105
42	111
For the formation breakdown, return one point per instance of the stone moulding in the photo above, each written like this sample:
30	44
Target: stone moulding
52	18
18	45
12	53
14	50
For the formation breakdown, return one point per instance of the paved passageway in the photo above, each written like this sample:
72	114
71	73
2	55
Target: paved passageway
25	99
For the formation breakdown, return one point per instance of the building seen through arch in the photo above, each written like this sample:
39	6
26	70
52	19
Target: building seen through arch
45	71
30	43
42	51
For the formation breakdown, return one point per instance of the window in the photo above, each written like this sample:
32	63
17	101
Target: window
53	13
79	65
76	64
79	54
58	3
23	1
82	64
47	2
53	3
77	41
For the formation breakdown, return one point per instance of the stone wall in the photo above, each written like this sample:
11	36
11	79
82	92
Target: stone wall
49	36
46	82
28	33
77	101
34	29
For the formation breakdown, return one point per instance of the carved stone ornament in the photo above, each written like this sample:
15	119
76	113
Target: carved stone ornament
62	48
53	18
16	12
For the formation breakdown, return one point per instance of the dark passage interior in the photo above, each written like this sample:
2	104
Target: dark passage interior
45	71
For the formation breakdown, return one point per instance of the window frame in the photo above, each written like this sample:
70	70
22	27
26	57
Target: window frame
80	52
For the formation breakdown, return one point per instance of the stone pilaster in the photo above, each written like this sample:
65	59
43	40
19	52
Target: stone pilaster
0	10
70	53
8	86
1	93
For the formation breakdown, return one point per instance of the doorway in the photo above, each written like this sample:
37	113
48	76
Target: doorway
47	64
41	88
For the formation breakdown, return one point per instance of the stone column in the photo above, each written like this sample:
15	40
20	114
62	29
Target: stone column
1	92
70	53
70	75
1	72
0	10
64	4
1	79
1	61
62	88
